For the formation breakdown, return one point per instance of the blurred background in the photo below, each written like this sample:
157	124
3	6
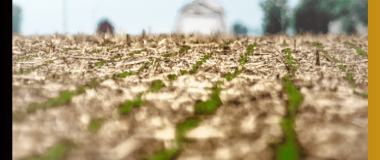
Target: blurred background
248	17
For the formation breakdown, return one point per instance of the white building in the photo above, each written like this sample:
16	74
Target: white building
201	16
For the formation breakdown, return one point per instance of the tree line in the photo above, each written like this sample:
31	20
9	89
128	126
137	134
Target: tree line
310	16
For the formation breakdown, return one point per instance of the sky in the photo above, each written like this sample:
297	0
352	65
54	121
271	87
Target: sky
43	17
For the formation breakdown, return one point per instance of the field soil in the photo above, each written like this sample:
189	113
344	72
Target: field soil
131	97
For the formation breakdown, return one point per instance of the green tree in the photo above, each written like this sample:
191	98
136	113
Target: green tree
314	15
239	28
16	19
361	9
275	16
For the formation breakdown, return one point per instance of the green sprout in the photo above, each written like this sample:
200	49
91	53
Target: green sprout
172	77
165	155
49	61
156	86
183	72
64	98
199	63
101	63
58	151
184	49
127	106
125	74
168	55
95	125
290	149
358	50
96	51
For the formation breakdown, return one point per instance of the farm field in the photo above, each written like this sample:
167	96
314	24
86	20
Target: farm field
189	97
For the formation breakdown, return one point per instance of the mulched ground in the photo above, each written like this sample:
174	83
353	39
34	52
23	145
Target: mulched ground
68	92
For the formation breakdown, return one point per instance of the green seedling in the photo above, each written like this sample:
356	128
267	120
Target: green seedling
318	45
243	60
230	76
250	49
168	55
182	128
165	155
199	63
64	98
364	95
17	72
358	50
127	106
95	125
118	46
172	77
96	51
19	59
35	56
107	42
79	55
205	108
289	61
209	106
114	57
75	48
27	70
184	49
16	87
49	61
101	63
350	79
58	151
17	116
295	97
176	54
137	52
156	86
183	72
93	83
290	149
125	74
224	44
341	66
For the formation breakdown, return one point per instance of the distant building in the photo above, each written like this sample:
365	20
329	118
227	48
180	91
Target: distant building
336	27
201	16
104	26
